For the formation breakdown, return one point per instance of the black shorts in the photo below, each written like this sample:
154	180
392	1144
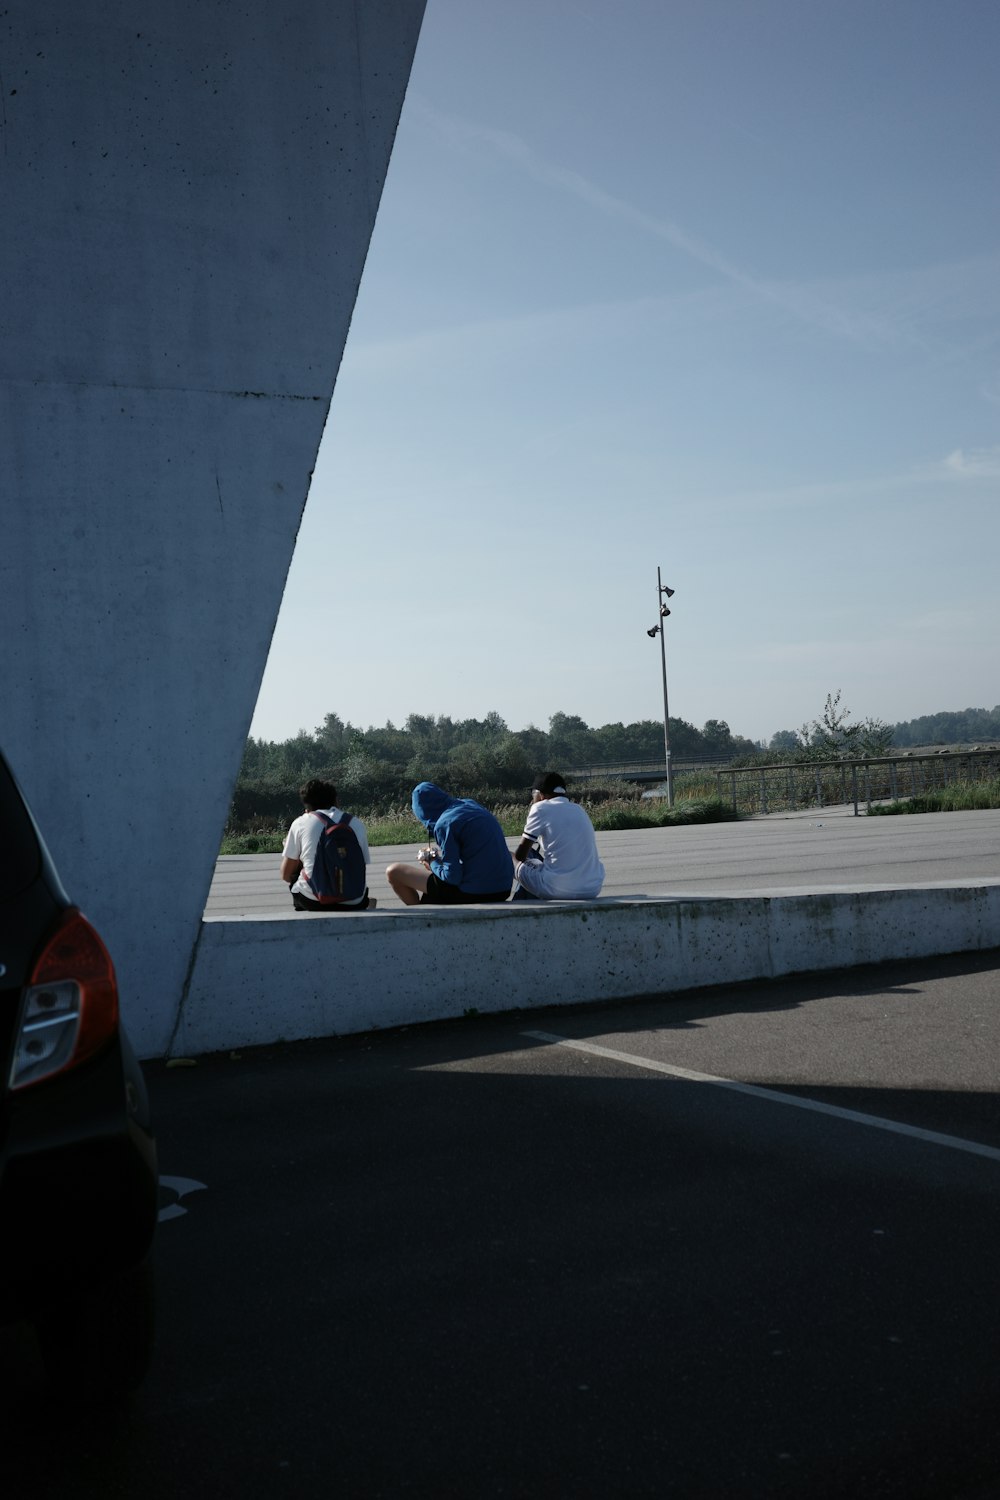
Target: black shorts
440	893
303	903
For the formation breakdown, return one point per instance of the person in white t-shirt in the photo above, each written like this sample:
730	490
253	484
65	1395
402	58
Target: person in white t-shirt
566	866
299	854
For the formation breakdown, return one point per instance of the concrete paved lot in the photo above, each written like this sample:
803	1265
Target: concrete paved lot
811	851
458	1260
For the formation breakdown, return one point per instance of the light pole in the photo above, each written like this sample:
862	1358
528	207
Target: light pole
661	591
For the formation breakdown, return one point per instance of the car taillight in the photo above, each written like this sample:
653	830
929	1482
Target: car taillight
70	1009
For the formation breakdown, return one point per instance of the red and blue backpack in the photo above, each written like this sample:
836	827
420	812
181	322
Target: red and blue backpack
338	873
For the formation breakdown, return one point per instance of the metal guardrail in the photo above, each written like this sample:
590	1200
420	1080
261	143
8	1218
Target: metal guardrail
814	783
644	770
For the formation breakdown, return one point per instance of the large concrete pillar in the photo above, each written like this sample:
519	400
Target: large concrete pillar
188	191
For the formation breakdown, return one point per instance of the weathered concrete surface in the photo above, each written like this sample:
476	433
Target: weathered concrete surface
261	980
188	195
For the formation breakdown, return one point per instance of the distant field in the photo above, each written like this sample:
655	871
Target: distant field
948	749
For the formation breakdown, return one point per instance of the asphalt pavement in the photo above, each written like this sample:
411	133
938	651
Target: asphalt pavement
738	1243
733	1244
823	850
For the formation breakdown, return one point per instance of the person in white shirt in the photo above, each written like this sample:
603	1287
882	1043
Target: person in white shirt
299	854
566	866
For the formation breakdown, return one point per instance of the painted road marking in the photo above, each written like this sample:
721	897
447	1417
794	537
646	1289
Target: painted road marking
774	1096
181	1186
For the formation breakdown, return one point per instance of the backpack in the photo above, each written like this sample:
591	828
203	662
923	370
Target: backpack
339	873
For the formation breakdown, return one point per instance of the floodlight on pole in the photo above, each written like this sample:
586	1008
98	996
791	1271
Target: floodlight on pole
663	592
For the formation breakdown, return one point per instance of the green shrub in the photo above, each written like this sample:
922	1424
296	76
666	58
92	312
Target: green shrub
652	814
619	819
960	796
700	810
252	843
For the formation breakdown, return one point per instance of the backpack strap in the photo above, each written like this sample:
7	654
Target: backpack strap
327	822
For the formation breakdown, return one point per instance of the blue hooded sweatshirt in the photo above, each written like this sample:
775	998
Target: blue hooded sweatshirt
474	853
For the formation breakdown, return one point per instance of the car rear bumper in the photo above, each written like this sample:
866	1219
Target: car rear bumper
78	1182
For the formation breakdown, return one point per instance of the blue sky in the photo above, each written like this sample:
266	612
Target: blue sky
712	285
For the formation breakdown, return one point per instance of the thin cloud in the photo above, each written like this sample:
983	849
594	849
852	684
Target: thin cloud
512	333
973	465
976	463
802	304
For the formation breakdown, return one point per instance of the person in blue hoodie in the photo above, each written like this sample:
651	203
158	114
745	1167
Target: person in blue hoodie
471	861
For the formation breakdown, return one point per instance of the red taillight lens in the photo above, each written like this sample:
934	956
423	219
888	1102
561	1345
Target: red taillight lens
70	1008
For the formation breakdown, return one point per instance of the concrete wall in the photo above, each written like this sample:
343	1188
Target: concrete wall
257	981
188	194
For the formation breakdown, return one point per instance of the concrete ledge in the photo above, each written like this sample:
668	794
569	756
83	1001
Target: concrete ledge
254	982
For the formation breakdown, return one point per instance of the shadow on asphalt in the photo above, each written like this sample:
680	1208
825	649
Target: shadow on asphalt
436	1262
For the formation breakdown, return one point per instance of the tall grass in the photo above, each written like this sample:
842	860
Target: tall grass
402	828
696	786
961	796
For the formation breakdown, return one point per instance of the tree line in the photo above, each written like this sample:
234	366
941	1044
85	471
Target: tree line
376	769
831	733
965	726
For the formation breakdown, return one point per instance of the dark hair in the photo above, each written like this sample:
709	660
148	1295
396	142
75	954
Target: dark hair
318	793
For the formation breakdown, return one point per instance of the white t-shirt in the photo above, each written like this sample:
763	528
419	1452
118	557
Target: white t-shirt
571	868
303	841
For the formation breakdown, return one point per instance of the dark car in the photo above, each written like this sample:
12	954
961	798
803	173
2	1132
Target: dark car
78	1175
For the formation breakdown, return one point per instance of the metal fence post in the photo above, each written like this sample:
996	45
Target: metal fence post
808	779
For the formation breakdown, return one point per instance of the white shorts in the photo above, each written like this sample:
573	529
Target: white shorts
534	877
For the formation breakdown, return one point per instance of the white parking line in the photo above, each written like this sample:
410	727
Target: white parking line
774	1096
181	1186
